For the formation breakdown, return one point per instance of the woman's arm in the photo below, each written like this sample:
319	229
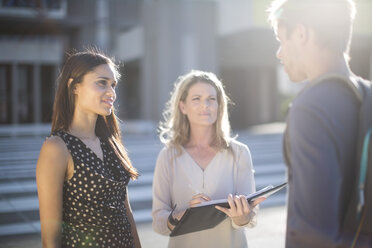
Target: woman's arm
136	240
50	174
161	194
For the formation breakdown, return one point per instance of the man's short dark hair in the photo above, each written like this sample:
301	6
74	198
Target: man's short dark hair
331	20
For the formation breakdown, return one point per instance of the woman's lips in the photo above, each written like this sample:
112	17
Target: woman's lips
109	102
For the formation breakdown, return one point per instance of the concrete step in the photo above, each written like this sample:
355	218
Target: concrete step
20	228
140	216
138	190
18	192
145	180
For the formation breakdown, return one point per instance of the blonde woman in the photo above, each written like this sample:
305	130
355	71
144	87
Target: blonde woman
201	162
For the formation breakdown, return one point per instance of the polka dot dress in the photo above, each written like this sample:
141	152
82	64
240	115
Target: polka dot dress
94	214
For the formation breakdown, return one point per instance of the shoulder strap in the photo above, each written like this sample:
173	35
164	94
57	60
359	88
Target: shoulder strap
357	218
360	89
363	171
352	82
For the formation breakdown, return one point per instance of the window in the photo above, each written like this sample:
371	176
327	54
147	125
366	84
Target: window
25	94
47	92
5	94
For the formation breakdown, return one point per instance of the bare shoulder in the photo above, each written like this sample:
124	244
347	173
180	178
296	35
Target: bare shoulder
54	140
53	153
54	145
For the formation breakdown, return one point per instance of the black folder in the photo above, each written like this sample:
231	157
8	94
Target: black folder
206	216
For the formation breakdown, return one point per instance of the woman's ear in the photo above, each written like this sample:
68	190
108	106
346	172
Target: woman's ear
69	82
181	106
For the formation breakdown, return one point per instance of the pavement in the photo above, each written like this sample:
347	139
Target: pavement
269	232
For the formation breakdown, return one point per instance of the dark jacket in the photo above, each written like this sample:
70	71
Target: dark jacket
319	149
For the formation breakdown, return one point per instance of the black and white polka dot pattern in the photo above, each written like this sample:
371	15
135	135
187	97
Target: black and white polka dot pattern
94	214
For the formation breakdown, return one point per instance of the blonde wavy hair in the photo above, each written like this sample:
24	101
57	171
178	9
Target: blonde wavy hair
175	129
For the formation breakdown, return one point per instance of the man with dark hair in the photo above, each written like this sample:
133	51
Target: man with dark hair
322	124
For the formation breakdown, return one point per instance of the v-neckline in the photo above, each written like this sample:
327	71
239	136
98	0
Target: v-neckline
90	149
196	164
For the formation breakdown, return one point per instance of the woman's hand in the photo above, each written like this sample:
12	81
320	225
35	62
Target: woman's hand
197	199
177	215
240	208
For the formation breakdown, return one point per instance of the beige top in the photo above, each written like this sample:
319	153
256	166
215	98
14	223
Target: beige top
178	178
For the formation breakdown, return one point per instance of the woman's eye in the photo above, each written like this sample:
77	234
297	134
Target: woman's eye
196	99
102	82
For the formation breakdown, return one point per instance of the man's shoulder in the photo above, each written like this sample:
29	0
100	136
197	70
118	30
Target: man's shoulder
328	104
328	90
336	82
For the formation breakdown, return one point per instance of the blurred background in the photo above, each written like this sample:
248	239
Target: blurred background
155	41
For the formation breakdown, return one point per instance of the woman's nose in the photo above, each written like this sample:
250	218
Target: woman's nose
111	92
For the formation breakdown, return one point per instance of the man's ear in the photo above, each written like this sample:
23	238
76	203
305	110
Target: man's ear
301	33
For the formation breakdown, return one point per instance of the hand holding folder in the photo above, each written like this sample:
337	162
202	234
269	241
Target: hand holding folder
239	210
206	216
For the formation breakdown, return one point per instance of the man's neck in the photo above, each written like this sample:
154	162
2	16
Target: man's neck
323	63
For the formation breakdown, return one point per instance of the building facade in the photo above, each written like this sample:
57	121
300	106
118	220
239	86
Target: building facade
155	42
